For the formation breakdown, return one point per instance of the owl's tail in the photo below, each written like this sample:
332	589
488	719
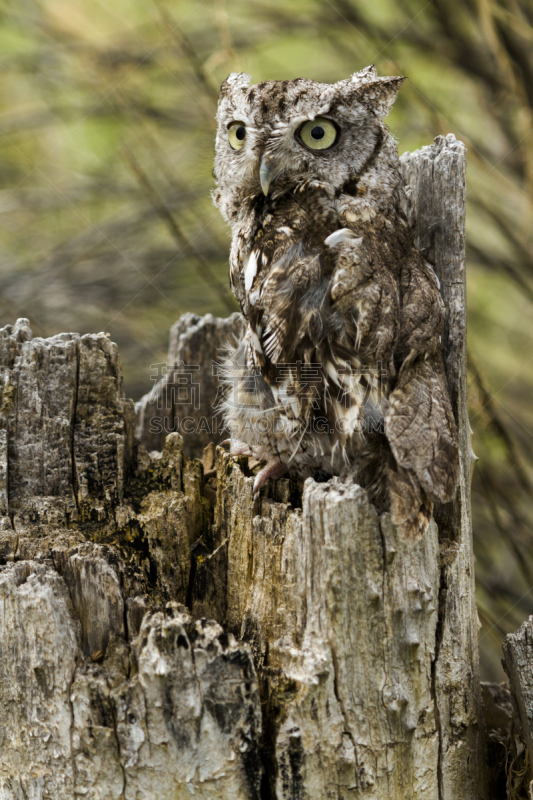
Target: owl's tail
393	488
410	506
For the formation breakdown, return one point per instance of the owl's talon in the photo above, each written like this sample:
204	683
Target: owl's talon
240	449
274	470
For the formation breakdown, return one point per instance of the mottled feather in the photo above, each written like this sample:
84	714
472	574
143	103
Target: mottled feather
340	369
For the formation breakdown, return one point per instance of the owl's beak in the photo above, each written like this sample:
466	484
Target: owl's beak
266	173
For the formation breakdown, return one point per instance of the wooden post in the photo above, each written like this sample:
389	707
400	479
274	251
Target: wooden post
340	662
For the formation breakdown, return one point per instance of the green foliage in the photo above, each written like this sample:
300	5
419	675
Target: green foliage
106	146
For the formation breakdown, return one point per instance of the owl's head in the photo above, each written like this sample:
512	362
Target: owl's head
278	135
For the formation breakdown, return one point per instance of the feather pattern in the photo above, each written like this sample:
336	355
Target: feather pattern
340	370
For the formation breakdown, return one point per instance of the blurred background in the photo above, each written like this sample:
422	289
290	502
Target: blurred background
106	223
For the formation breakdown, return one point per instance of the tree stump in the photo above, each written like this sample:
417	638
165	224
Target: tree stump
518	664
166	634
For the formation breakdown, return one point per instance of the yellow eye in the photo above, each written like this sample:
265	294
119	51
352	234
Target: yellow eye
236	135
318	134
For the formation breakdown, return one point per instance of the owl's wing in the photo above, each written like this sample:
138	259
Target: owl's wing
404	319
420	427
364	302
419	424
285	323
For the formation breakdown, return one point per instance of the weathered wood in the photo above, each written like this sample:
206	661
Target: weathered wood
518	664
342	618
436	188
340	662
195	350
498	713
175	715
108	689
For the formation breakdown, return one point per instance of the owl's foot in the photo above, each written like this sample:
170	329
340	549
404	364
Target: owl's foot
240	449
273	469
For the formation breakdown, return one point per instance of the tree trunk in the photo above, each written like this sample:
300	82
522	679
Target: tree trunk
339	662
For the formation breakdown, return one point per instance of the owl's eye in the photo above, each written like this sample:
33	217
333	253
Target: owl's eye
318	134
236	135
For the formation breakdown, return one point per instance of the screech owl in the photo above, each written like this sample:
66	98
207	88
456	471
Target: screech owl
340	369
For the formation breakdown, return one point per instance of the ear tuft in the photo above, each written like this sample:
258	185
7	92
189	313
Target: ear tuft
365	75
235	80
379	94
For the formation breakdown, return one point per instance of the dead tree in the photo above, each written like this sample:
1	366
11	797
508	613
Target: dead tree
166	634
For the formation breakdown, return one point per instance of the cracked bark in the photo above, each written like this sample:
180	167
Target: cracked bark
518	664
318	656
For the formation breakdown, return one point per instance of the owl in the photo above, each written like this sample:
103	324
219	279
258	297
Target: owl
340	370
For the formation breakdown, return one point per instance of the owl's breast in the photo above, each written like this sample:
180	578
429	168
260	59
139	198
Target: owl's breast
283	228
285	300
283	256
306	283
